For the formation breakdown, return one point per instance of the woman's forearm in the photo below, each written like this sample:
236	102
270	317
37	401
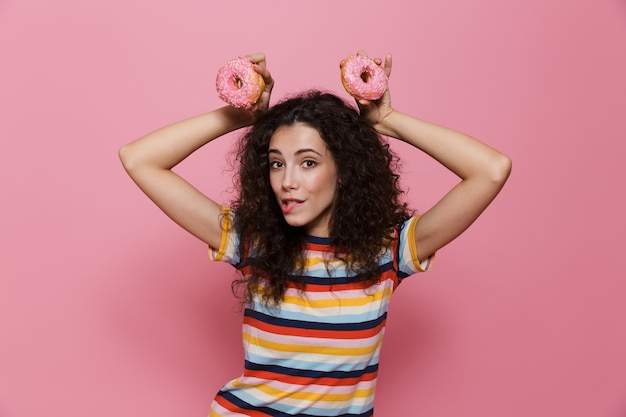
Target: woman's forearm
168	146
148	161
482	169
460	153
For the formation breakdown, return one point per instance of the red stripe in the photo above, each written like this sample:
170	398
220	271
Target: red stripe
319	247
235	409
313	333
343	287
304	381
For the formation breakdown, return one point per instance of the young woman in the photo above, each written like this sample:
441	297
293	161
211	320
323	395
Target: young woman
319	233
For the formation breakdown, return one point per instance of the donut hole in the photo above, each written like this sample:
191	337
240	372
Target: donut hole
238	82
365	76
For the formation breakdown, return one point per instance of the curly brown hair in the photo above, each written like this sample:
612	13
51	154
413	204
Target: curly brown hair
367	205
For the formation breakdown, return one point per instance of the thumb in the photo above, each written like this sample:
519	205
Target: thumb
364	105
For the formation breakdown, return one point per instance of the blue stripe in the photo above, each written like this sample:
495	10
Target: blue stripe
315	325
318	240
280	410
336	276
337	318
312	366
308	373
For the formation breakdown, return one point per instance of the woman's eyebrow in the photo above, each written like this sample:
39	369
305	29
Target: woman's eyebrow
305	150
298	152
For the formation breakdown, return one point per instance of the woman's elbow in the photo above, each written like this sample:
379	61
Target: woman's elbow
500	168
127	157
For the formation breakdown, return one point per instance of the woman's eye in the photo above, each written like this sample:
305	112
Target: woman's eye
276	164
308	164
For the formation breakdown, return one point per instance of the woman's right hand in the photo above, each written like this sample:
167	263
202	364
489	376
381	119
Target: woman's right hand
262	104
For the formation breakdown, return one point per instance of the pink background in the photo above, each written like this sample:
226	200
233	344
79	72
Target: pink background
108	309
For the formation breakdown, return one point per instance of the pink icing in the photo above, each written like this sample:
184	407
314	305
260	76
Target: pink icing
355	68
237	83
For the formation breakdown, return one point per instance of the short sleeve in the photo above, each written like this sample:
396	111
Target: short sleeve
227	252
407	256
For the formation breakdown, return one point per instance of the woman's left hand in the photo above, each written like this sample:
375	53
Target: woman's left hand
376	111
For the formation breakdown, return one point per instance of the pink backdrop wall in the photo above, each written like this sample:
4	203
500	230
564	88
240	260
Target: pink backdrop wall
107	308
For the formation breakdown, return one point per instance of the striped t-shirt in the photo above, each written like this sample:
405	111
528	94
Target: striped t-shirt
316	354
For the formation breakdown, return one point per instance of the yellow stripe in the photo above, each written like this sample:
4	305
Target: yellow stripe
338	302
413	245
214	413
225	229
319	350
316	260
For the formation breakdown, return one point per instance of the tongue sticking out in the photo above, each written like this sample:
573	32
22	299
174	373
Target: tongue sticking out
289	205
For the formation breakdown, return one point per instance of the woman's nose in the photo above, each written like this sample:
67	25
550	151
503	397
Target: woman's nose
289	179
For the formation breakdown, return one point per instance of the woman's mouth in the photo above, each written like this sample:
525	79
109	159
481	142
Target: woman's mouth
289	204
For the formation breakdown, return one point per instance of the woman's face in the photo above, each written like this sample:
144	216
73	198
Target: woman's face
303	176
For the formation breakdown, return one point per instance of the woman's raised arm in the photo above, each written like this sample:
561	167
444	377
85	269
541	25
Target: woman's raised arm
149	161
482	169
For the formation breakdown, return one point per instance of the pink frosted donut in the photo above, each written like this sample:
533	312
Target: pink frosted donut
238	83
362	78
